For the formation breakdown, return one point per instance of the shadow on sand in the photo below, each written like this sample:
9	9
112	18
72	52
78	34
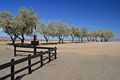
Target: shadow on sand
23	75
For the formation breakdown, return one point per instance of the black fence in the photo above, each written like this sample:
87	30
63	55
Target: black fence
34	47
51	53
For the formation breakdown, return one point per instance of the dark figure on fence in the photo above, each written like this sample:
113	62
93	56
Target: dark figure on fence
34	42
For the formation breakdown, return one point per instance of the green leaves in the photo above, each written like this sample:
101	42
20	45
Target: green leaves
60	29
19	25
5	15
26	20
105	34
6	22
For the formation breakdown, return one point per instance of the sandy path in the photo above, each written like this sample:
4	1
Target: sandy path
89	61
83	61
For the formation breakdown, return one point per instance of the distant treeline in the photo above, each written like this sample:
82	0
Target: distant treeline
27	23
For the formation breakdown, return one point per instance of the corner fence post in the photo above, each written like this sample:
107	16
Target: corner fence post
12	70
55	52
29	64
49	55
14	50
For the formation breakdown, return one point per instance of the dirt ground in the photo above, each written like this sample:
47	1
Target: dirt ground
76	61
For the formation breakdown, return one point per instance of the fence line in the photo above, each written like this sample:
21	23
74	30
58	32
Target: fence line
13	62
34	47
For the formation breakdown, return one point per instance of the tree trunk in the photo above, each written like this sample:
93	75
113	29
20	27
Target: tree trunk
62	40
59	39
23	38
93	39
13	40
106	40
82	40
46	39
96	39
88	39
101	40
72	38
79	39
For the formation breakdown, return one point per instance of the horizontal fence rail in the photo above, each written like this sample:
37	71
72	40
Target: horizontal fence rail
51	53
34	47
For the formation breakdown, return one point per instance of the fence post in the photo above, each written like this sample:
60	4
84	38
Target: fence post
14	50
41	58
12	69
29	64
35	50
55	52
49	55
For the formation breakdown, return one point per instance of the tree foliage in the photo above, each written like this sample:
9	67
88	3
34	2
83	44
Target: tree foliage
73	32
59	29
103	35
26	21
7	22
44	30
20	25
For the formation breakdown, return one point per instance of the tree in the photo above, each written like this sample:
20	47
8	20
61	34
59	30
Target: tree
101	34
83	33
60	30
88	36
27	22
107	35
95	35
7	22
20	25
52	28
44	30
78	33
73	32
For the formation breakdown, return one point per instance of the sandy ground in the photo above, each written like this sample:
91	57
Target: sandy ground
76	61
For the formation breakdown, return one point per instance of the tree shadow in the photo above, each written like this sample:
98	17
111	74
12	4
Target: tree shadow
10	44
28	44
50	43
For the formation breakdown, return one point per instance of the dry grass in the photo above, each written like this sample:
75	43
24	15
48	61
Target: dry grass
76	61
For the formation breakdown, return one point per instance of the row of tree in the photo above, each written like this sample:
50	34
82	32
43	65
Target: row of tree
26	21
61	30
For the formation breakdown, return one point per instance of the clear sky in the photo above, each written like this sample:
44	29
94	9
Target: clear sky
92	14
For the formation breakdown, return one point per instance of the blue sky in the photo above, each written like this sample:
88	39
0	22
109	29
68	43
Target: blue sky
92	14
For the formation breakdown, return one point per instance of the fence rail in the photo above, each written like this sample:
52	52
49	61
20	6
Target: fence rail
51	53
34	47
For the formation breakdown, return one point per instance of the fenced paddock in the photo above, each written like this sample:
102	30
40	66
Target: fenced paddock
51	54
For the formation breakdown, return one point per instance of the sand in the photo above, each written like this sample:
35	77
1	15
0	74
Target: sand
77	61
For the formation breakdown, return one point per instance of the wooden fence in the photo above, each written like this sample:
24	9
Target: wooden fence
51	53
34	47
